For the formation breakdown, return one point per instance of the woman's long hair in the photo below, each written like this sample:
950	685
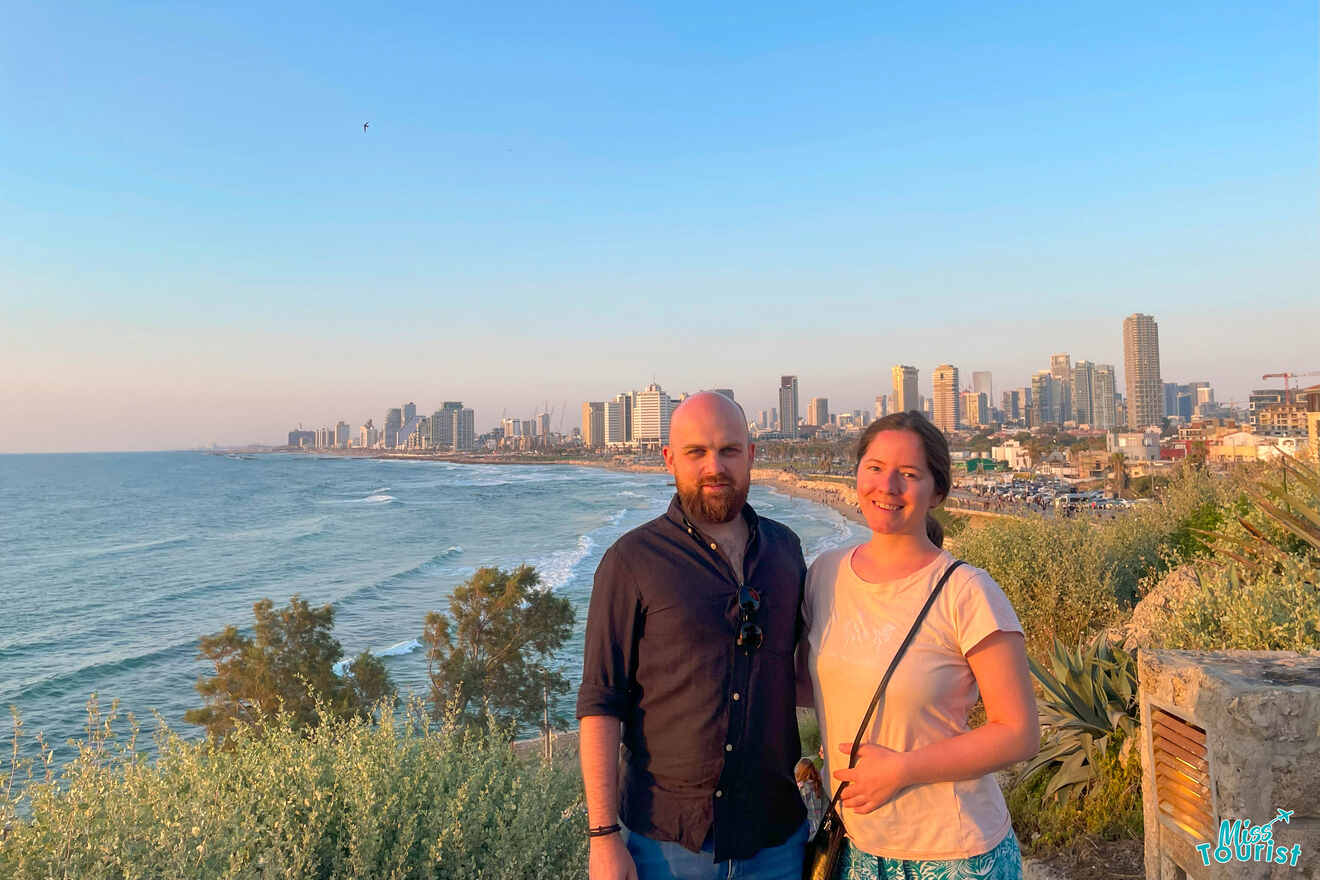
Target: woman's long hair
933	444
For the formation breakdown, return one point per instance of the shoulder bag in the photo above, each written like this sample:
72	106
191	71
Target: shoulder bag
826	848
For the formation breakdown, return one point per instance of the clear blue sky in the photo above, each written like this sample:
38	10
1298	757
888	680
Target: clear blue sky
558	202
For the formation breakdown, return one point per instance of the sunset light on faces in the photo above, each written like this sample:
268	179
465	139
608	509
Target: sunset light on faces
710	456
894	487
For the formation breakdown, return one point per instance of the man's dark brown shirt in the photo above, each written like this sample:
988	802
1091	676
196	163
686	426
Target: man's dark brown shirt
710	728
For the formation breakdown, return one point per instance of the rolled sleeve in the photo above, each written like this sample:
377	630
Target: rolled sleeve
609	652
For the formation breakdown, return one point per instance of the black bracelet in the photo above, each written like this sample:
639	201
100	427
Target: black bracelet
603	830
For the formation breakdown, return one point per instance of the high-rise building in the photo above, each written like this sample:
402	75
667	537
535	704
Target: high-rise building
393	422
593	424
1141	371
881	406
788	405
616	431
409	411
442	425
927	405
727	392
465	430
543	425
627	401
905	389
983	383
651	417
341	434
1044	399
975	409
818	411
1011	406
945	394
1083	393
1061	370
1204	398
1105	415
370	435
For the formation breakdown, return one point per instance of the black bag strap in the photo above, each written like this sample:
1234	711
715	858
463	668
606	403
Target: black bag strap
884	682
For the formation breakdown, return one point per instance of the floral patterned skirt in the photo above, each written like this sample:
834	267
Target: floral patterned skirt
1004	862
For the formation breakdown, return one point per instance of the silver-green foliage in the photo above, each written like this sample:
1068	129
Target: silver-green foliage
396	797
1261	588
1090	697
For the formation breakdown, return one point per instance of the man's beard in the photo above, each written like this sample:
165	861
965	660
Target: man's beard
713	507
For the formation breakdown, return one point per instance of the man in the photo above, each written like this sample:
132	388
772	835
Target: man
689	646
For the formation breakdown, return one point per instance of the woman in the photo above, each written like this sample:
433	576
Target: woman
922	800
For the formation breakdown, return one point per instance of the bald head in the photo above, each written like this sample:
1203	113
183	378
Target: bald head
707	412
710	455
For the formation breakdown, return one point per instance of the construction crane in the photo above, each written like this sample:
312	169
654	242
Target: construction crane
1288	393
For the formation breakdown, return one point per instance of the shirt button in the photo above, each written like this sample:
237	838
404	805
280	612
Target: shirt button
712	546
719	793
728	747
736	696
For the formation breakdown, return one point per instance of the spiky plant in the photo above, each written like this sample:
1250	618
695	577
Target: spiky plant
1090	697
1291	505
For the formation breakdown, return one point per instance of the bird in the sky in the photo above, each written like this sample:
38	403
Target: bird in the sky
364	127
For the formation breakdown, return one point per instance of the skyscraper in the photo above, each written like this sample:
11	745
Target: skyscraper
616	432
593	424
818	411
465	430
651	416
1061	370
393	422
409	411
1044	399
1083	393
945	395
1102	394
442	425
788	405
881	406
983	383
975	409
1141	371
905	389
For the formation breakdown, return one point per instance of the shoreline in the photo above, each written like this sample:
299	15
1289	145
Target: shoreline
839	497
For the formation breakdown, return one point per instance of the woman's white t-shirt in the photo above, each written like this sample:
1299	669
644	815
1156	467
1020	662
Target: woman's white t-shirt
854	628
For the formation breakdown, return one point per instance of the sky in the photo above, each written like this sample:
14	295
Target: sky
554	203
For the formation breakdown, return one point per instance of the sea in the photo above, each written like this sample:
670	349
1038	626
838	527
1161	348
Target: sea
113	565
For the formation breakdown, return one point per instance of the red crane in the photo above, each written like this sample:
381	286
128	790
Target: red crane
1288	392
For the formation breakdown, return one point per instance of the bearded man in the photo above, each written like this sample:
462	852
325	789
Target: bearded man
689	658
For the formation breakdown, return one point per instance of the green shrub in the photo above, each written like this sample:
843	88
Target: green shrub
1271	611
1055	572
397	797
1111	809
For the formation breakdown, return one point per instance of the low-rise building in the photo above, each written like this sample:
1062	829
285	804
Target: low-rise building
1013	453
1135	445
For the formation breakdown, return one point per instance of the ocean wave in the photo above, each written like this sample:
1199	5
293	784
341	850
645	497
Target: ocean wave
59	684
122	549
842	535
379	499
559	568
614	518
631	494
404	574
397	650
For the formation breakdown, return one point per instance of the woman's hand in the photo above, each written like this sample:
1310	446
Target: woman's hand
879	775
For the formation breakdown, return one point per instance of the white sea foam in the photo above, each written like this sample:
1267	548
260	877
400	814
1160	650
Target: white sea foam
614	518
400	649
631	494
379	499
559	567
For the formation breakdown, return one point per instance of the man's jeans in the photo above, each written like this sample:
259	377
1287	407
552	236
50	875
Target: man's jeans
659	860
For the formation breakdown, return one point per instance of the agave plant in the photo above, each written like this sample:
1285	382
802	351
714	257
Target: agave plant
1090	696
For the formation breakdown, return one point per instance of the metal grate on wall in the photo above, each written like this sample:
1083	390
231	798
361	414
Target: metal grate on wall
1182	774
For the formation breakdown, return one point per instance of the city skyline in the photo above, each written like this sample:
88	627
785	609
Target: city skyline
546	205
